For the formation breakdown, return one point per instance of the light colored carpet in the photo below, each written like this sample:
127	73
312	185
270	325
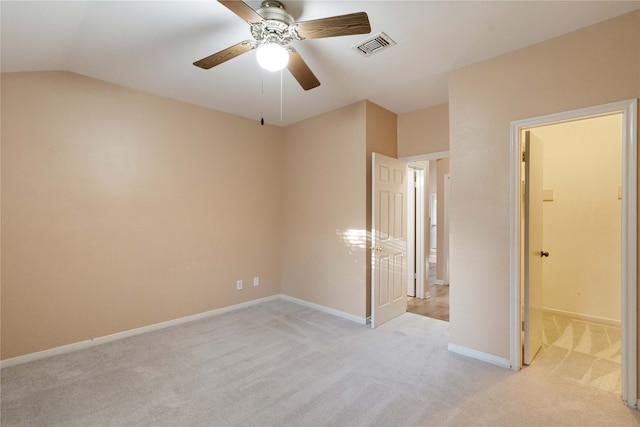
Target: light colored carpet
282	364
587	352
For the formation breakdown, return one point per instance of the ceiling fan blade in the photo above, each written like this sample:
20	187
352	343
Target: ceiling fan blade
342	25
224	55
243	10
301	71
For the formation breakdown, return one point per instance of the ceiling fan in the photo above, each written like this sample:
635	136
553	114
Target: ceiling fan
273	28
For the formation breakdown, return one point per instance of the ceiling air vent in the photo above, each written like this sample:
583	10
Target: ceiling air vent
375	44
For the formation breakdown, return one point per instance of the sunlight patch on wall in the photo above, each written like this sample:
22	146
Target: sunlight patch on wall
353	238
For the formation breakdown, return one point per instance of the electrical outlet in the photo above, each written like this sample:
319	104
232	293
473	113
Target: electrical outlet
239	284
256	281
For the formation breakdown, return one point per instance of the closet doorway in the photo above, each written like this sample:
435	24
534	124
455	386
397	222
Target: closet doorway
573	293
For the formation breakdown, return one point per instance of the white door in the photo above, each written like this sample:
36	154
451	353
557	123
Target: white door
389	239
533	249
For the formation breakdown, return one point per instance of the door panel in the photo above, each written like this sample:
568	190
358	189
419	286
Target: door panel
383	281
383	228
532	247
389	239
399	230
398	277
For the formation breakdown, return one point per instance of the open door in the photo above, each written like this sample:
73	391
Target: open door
533	250
388	239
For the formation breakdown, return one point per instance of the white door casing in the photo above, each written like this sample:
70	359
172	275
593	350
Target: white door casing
533	249
445	228
389	239
412	241
417	233
421	233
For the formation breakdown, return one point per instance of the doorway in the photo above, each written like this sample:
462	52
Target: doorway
580	283
591	301
427	198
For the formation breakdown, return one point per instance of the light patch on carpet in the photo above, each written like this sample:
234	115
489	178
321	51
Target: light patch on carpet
586	352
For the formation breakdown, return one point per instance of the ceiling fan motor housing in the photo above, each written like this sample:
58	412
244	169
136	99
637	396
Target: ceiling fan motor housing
274	10
277	26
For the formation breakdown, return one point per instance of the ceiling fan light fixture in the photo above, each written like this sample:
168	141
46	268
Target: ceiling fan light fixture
272	56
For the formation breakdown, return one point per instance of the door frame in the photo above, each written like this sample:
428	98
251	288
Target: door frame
416	234
445	255
445	231
629	110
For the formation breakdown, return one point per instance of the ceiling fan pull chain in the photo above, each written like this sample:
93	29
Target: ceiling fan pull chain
262	98
280	95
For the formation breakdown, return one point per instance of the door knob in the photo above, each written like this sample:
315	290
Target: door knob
544	254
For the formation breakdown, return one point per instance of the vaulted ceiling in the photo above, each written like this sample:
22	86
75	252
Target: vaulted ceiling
151	46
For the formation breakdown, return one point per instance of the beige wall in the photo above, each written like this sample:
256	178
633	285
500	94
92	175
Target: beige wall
592	66
581	225
122	209
324	235
327	205
424	131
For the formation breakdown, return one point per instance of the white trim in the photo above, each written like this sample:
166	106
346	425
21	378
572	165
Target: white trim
416	233
129	333
412	277
583	317
325	309
629	112
423	157
446	267
515	344
421	175
629	253
479	355
439	282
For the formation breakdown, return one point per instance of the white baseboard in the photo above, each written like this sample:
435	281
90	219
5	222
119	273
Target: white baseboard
584	317
156	326
129	333
328	310
475	354
439	282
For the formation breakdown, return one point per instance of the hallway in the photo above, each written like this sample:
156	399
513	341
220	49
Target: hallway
436	307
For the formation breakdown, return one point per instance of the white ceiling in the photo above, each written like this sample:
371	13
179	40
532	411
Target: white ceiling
151	45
